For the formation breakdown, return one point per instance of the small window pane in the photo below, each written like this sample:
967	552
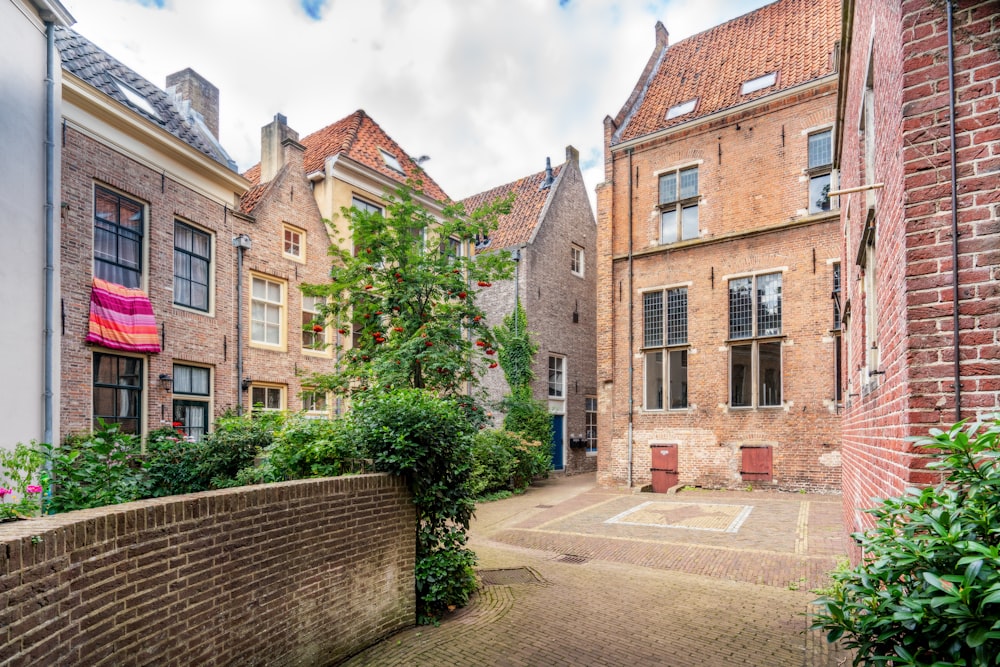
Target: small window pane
668	188
654	380
769	371
259	288
182	379
273	399
652	313
556	377
820	150
668	226
740	376
689	183
677	316
819	193
740	308
678	379
689	222
769	305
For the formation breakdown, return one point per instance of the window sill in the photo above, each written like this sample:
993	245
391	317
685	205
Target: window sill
318	354
194	311
293	258
591	452
268	346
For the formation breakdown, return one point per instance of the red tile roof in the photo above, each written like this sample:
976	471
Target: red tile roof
516	227
359	138
794	38
252	197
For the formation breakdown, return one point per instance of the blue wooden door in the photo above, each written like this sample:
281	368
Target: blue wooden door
557	442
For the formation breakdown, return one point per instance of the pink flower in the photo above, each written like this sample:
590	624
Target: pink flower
4	492
34	488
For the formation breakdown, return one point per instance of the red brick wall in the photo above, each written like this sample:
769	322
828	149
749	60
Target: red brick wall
752	217
914	238
298	573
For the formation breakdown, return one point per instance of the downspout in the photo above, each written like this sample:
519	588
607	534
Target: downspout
50	226
954	214
242	243
631	342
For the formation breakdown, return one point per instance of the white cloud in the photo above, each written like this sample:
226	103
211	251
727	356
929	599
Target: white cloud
487	88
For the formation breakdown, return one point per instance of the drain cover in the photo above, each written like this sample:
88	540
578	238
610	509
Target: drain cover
571	558
516	575
544	507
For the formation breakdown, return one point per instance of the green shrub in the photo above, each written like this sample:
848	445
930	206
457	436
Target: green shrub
305	447
529	418
428	440
102	468
505	461
928	589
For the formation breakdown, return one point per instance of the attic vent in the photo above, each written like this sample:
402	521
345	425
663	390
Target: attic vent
682	108
391	161
760	83
135	98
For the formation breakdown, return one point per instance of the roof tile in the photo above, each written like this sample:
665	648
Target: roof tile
516	228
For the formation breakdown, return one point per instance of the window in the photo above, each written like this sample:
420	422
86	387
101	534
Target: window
365	206
391	161
755	365
315	403
837	337
820	168
870	284
118	233
450	247
682	108
267	312
118	391
666	377
679	205
192	267
760	83
267	398
557	377
576	260
135	98
314	335
192	394
294	243
591	423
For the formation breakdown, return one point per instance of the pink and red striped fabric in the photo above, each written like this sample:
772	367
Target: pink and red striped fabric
121	318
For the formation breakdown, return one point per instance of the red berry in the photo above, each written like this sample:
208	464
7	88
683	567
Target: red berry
491	351
317	328
342	331
369	286
462	295
428	343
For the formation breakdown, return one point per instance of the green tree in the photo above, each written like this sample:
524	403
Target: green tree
524	415
408	296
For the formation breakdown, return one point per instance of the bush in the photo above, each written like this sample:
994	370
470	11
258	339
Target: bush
529	418
928	590
505	461
428	440
103	468
304	448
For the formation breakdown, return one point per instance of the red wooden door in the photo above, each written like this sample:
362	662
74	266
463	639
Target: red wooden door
756	464
664	467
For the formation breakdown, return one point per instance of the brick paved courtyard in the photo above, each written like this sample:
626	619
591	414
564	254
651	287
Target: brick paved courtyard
577	575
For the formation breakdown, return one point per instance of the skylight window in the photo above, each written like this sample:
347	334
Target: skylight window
760	83
135	98
391	161
682	108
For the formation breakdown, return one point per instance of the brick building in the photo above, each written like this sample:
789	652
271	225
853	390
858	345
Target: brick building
718	253
905	196
551	230
148	199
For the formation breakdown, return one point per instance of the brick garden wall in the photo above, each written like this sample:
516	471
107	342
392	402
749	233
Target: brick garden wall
298	573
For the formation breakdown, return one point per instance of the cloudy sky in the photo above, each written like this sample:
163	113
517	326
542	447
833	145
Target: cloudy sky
486	88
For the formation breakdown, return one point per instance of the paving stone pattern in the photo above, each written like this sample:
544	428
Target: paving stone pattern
635	595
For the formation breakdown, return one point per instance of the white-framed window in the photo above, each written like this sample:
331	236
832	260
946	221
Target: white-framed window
682	109
267	397
192	267
267	312
678	204
754	341
119	232
759	83
590	414
576	260
391	161
192	400
315	335
820	170
293	243
118	391
315	403
665	341
557	377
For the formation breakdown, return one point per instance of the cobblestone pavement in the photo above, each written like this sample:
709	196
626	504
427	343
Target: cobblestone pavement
576	575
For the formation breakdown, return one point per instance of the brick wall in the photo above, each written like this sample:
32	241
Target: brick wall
753	218
298	573
915	328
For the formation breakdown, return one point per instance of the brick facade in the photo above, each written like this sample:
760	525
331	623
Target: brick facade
298	573
753	220
898	53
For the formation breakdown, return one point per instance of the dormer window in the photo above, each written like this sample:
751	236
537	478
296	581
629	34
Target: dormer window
135	98
682	108
760	83
391	161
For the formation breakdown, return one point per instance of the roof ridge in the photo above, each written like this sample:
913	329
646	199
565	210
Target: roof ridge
357	118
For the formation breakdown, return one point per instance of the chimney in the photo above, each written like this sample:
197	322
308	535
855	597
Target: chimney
274	137
203	96
548	175
572	155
